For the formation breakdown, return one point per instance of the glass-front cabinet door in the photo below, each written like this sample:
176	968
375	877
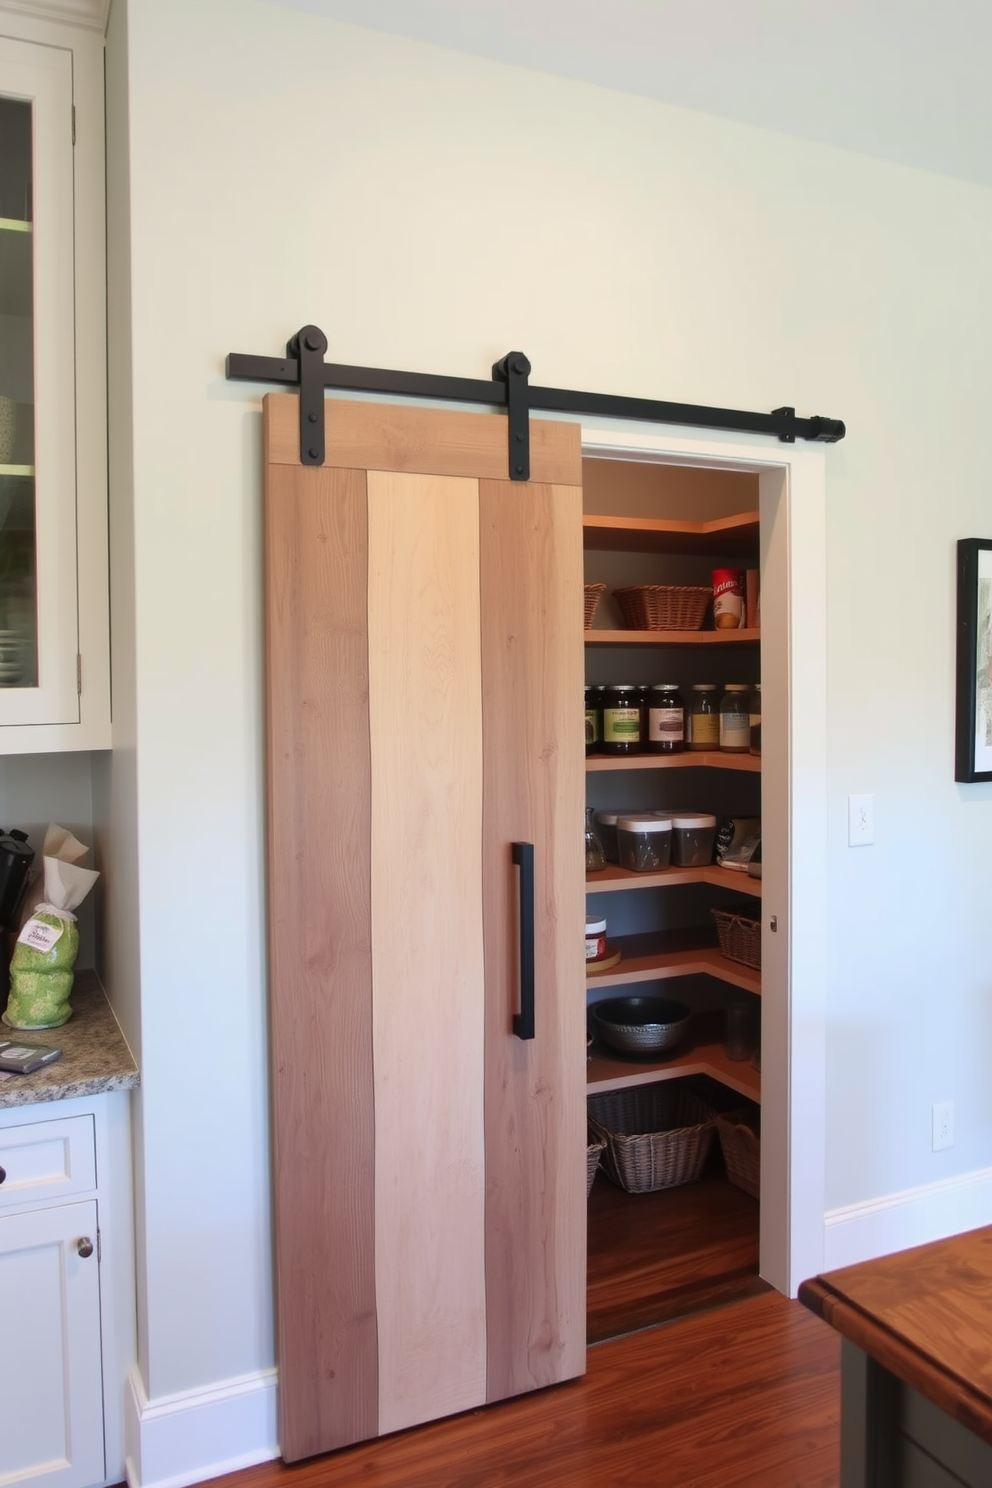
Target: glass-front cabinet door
38	589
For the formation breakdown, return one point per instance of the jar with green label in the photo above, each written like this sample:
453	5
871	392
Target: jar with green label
623	719
593	721
703	717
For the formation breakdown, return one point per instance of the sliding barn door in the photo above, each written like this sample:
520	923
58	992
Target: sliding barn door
424	681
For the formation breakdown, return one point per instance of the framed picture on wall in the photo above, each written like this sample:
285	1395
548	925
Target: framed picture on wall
973	731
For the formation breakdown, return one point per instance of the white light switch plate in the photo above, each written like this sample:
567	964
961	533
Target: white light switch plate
860	821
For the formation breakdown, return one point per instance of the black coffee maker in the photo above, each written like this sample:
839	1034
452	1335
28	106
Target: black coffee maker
15	860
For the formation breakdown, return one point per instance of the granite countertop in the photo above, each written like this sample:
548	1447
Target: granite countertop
95	1055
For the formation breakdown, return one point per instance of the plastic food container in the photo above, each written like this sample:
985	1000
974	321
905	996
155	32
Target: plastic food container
595	939
606	828
693	839
644	842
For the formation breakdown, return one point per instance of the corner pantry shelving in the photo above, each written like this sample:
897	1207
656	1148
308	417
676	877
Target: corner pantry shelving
664	954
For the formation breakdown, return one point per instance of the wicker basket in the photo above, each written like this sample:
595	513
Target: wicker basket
656	1135
740	1143
663	606
594	593
593	1153
739	935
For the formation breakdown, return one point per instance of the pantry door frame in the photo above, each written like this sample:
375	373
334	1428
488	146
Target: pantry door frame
792	495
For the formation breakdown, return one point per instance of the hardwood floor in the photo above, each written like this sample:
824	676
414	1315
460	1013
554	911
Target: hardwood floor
658	1256
742	1396
744	1392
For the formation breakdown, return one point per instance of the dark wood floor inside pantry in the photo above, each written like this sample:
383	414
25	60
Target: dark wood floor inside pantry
659	1256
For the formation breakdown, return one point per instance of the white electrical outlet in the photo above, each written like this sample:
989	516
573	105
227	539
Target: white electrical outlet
860	821
943	1125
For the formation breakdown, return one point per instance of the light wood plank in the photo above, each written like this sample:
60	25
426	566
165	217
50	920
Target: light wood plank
658	954
612	879
730	535
531	585
690	760
319	950
428	441
428	1020
594	637
606	1071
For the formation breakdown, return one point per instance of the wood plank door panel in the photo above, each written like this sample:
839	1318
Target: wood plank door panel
424	671
320	955
532	677
425	714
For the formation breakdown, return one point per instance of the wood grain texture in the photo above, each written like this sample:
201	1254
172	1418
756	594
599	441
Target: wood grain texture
926	1315
319	955
657	1256
532	678
746	1396
425	441
428	1018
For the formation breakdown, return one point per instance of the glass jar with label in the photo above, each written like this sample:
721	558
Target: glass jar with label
592	721
623	719
666	719
735	718
756	718
704	717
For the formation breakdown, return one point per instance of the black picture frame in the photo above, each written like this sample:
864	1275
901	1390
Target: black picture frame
973	709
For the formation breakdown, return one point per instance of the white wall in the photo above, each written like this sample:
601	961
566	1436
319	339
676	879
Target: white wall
431	211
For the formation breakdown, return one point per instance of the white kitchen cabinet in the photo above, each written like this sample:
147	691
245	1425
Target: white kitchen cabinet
66	1278
50	1367
54	632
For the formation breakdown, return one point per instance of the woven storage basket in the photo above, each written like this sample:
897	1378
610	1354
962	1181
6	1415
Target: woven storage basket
663	606
594	593
739	935
593	1153
656	1135
740	1143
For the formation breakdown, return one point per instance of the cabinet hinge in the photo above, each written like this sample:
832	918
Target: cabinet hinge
73	123
79	675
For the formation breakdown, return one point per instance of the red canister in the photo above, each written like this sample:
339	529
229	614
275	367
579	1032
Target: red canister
728	598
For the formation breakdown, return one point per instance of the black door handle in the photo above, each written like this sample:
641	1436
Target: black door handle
523	1022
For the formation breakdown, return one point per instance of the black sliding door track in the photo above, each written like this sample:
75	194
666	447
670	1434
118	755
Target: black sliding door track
304	368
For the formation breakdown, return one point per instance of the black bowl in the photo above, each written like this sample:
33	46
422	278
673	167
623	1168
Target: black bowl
641	1025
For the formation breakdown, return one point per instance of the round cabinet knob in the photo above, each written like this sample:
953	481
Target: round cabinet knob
3	1174
85	1247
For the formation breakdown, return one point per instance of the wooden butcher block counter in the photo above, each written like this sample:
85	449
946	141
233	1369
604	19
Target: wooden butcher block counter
916	1406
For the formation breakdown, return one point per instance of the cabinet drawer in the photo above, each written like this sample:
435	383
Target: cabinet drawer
47	1160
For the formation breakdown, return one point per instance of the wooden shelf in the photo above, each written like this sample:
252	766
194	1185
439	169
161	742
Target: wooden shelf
16	470
608	1071
689	759
613	878
661	954
737	535
14	224
672	637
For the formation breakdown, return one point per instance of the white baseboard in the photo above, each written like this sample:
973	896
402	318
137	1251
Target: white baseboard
177	1440
916	1216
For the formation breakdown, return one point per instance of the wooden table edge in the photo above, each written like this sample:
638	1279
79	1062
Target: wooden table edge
954	1395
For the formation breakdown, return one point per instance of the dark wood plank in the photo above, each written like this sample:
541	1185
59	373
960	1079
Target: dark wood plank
658	1256
320	973
747	1396
533	791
